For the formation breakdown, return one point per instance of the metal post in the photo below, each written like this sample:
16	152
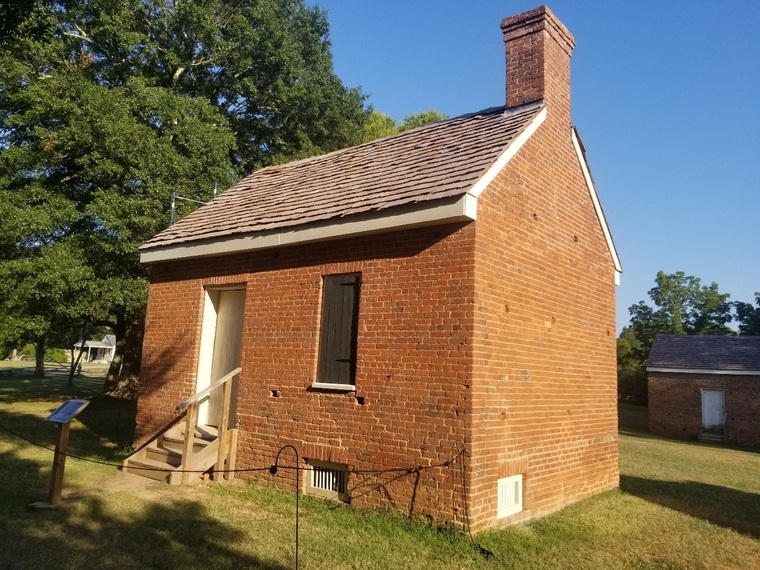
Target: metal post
214	198
171	218
273	471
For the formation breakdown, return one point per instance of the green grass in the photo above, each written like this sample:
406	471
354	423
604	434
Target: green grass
681	506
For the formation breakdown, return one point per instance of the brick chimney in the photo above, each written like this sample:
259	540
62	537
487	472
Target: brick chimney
538	48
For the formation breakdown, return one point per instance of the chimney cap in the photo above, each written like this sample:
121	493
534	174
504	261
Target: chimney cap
532	21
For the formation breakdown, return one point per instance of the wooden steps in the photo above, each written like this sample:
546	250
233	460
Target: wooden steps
714	436
185	452
162	458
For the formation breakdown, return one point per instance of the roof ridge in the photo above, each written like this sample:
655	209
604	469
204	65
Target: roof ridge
506	113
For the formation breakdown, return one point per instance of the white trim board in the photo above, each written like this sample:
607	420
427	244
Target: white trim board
597	205
433	213
703	371
511	150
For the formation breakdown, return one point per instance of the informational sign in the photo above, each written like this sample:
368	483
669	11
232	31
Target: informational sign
67	411
61	416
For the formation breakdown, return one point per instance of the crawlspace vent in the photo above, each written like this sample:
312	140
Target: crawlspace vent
509	496
328	479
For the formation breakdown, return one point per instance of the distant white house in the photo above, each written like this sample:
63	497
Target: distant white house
98	350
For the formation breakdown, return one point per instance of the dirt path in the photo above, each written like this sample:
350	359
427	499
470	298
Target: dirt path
146	489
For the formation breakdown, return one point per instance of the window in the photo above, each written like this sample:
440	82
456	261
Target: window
337	339
509	496
327	480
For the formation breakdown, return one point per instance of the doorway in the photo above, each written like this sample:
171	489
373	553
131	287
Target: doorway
713	409
220	346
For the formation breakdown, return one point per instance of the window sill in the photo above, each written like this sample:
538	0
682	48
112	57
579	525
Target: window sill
333	387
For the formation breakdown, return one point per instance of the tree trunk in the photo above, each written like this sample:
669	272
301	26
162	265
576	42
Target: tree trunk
125	366
112	379
74	363
130	369
39	357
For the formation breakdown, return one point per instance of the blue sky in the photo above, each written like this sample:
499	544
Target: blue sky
666	97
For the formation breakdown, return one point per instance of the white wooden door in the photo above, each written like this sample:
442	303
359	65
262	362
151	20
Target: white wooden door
221	343
713	409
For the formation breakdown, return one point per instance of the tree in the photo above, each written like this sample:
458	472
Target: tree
421	119
681	306
89	169
107	107
380	125
748	316
42	295
264	64
631	367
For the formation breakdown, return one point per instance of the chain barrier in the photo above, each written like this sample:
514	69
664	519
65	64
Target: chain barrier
275	467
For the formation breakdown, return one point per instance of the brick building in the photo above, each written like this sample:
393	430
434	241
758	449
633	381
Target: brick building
705	387
447	292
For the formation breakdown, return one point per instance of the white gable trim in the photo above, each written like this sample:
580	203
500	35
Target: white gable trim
703	371
418	215
597	206
508	153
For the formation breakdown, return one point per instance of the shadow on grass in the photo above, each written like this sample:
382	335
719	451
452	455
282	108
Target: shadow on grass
723	506
110	418
176	535
108	425
99	533
27	388
633	420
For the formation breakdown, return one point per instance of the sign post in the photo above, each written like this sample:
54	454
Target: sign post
62	416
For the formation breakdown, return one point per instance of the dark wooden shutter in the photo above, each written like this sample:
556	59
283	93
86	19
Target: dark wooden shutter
340	319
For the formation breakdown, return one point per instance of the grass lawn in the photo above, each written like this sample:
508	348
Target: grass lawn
682	505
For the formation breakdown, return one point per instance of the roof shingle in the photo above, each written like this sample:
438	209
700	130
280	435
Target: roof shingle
441	160
705	352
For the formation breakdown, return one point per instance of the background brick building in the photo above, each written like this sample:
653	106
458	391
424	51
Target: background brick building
705	387
467	273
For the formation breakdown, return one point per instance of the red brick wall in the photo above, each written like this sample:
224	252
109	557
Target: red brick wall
544	371
413	361
675	405
544	375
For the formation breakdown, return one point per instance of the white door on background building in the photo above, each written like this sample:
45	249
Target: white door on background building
713	409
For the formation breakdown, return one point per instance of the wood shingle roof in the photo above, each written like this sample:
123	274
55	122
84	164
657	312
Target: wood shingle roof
434	162
705	352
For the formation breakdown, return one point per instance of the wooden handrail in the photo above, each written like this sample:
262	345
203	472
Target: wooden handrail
208	390
222	429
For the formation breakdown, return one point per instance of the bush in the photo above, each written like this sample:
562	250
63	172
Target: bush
27	352
632	385
57	354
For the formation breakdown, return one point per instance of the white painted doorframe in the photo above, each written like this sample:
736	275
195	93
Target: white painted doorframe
220	345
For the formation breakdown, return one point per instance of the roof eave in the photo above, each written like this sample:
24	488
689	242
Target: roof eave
421	214
727	372
597	204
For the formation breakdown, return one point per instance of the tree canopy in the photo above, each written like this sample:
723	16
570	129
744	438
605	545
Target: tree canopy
380	125
748	316
109	106
682	305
